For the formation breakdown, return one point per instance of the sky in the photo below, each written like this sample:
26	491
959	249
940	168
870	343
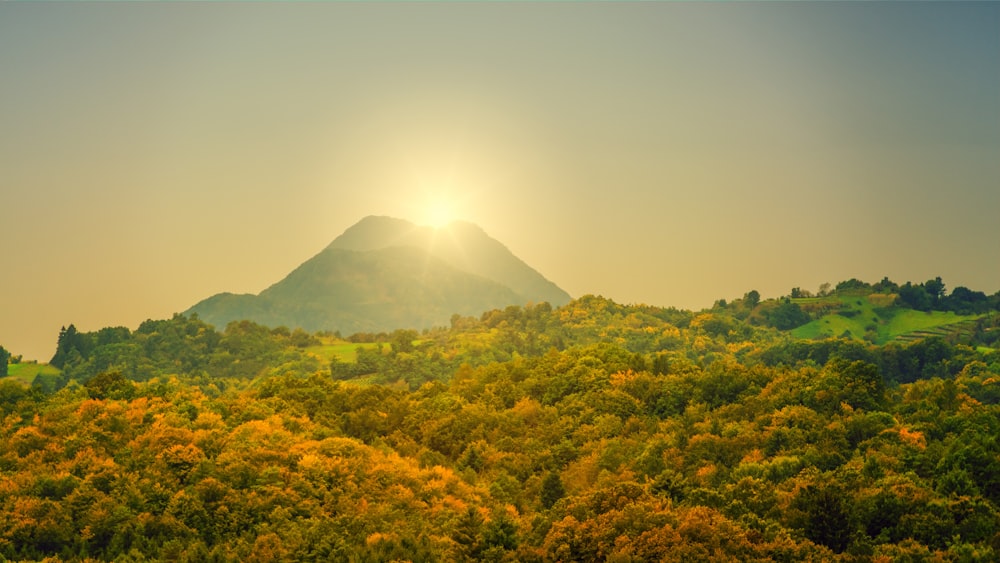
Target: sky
154	154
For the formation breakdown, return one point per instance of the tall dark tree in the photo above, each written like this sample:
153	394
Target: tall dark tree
934	289
787	316
915	297
827	518
552	490
500	533
468	535
69	339
4	358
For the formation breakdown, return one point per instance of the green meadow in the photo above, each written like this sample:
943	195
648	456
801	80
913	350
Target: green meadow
907	320
26	372
856	316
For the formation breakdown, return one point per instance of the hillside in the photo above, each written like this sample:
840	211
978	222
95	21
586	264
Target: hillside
463	245
26	372
383	274
594	431
861	316
877	313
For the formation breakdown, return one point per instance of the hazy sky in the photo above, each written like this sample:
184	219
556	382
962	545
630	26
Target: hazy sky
152	155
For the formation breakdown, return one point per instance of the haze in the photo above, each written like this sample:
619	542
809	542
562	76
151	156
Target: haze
152	155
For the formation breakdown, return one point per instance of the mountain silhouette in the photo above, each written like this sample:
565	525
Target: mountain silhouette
385	273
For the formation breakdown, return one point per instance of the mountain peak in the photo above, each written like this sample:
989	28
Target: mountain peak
385	273
381	231
466	247
375	231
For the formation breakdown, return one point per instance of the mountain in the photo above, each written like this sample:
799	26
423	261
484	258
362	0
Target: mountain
463	245
384	273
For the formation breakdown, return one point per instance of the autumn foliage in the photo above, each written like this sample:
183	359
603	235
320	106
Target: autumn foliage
590	432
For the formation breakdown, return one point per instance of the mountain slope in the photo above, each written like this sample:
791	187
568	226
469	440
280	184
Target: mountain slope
463	245
383	274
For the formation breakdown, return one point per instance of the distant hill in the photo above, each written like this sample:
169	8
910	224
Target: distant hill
385	273
874	317
878	313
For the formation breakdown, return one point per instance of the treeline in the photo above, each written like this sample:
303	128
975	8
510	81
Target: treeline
245	350
930	296
786	313
590	432
178	346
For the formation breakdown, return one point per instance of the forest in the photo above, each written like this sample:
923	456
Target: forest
594	431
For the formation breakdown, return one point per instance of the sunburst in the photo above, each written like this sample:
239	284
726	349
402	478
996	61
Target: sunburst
439	213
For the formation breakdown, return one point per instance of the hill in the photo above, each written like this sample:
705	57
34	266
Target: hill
594	431
869	317
383	274
877	313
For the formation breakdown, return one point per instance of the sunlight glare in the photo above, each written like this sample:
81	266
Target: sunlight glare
439	213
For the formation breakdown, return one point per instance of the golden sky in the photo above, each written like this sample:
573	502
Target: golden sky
154	154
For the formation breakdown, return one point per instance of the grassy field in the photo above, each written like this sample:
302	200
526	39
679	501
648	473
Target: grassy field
344	351
857	315
25	372
908	320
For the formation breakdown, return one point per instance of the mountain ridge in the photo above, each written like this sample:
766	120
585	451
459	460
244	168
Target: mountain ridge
384	273
462	244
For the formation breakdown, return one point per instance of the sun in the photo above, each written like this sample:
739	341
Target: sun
439	213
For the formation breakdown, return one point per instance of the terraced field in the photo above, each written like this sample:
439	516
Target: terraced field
866	317
960	328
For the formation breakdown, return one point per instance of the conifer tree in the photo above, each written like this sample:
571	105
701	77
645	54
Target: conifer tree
552	490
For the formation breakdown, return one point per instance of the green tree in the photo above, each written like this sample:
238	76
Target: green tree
852	284
70	340
886	286
787	316
934	289
468	534
861	383
4	358
109	385
402	341
827	518
915	297
11	393
552	490
964	301
500	534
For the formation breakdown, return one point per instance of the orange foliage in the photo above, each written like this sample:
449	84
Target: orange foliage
913	438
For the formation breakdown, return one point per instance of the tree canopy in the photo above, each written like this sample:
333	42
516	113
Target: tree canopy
594	431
